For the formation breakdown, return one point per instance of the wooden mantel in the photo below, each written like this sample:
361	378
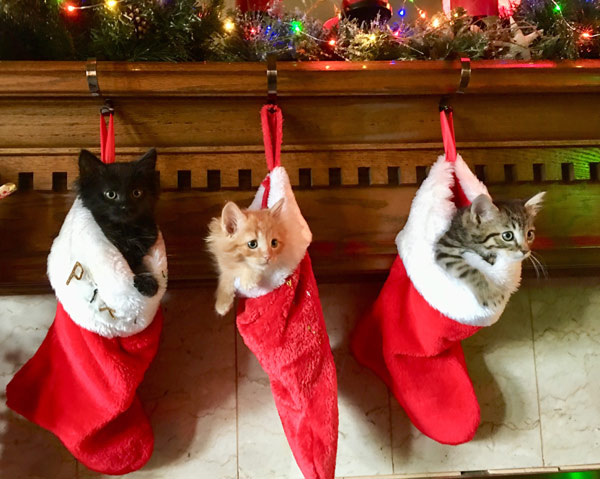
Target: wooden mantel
358	138
305	79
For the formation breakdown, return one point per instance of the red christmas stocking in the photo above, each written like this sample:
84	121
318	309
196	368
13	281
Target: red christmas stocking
81	383
81	387
411	337
416	351
282	323
286	332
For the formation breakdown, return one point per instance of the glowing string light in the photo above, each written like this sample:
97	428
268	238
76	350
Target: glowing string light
422	14
332	42
588	35
296	26
402	12
372	37
229	26
557	8
110	4
435	23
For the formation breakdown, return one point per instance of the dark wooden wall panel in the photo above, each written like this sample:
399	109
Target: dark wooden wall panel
354	230
357	142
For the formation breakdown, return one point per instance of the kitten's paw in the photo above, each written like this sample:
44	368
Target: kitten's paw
250	280
222	306
248	283
145	284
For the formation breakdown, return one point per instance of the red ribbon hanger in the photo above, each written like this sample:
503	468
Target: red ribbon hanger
107	139
272	128
447	123
448	134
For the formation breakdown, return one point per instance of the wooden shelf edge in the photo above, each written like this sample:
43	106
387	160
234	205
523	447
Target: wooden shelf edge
150	79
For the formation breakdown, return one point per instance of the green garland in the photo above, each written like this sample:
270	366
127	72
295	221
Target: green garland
253	35
185	30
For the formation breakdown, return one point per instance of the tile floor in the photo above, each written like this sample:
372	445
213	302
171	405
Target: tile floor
536	373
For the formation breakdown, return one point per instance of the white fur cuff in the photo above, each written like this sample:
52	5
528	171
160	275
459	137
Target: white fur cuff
100	295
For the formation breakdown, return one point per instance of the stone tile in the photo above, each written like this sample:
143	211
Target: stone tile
26	450
189	393
567	349
364	444
501	365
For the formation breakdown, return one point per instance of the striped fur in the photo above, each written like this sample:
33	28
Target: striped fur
481	233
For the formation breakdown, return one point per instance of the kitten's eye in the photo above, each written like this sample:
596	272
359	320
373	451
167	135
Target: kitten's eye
137	193
253	244
530	235
274	243
111	195
508	236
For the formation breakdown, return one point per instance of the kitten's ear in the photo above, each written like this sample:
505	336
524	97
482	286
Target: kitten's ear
147	162
482	209
232	217
534	204
89	164
277	208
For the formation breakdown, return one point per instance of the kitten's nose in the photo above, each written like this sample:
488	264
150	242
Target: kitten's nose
267	258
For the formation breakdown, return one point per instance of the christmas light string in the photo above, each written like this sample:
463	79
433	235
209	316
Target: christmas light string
564	32
585	35
109	4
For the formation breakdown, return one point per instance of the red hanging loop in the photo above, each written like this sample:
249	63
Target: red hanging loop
107	140
448	134
272	128
460	199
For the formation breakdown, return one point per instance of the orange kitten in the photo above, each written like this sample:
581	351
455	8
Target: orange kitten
247	246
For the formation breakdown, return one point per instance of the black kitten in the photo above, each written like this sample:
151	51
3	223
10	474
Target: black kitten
122	197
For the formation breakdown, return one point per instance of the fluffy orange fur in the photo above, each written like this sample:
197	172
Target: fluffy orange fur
245	244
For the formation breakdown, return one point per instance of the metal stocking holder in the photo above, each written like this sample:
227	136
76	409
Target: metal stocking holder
91	73
465	78
271	80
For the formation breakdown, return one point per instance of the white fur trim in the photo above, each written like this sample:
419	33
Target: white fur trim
430	216
105	271
296	244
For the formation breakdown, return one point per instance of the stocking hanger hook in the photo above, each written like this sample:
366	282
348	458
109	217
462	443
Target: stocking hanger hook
272	79
91	74
465	78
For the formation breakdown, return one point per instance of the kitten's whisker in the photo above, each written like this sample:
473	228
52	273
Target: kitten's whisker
541	265
538	265
535	266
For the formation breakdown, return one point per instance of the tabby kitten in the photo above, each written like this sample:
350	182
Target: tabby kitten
246	245
121	198
484	234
